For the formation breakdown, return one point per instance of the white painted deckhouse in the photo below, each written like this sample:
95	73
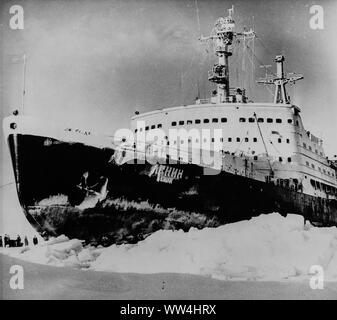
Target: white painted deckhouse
262	140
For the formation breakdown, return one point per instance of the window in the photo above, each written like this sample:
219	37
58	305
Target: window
280	159
223	119
181	141
297	123
312	166
307	163
269	120
289	159
189	122
278	120
319	169
304	145
279	140
146	128
313	183
206	120
251	120
159	125
229	139
242	120
197	121
288	141
173	124
215	120
237	139
181	122
136	130
324	171
221	139
290	121
246	139
213	140
316	151
254	139
153	126
140	129
255	157
310	148
260	120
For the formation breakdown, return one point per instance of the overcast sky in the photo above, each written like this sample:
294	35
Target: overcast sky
94	63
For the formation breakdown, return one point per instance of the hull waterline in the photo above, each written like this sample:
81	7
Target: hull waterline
78	190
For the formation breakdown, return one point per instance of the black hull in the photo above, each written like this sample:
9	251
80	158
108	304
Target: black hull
77	190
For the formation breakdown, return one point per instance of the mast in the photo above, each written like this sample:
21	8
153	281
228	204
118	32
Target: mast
280	80
222	37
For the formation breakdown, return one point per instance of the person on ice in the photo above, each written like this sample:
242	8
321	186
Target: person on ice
18	241
6	240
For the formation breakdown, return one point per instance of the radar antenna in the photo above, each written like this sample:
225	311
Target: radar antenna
222	37
280	80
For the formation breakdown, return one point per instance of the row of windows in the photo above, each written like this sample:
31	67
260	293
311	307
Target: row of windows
217	120
229	139
268	120
198	121
319	169
214	120
324	187
310	149
223	120
280	159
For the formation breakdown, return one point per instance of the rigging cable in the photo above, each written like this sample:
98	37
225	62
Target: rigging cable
198	18
261	63
263	45
7	184
199	31
271	168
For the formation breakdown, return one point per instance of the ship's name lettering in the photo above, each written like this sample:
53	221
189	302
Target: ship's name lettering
166	174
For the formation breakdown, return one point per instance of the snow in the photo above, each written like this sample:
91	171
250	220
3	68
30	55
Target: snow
267	247
59	199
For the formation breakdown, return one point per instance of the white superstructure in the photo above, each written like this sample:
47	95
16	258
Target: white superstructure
271	136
